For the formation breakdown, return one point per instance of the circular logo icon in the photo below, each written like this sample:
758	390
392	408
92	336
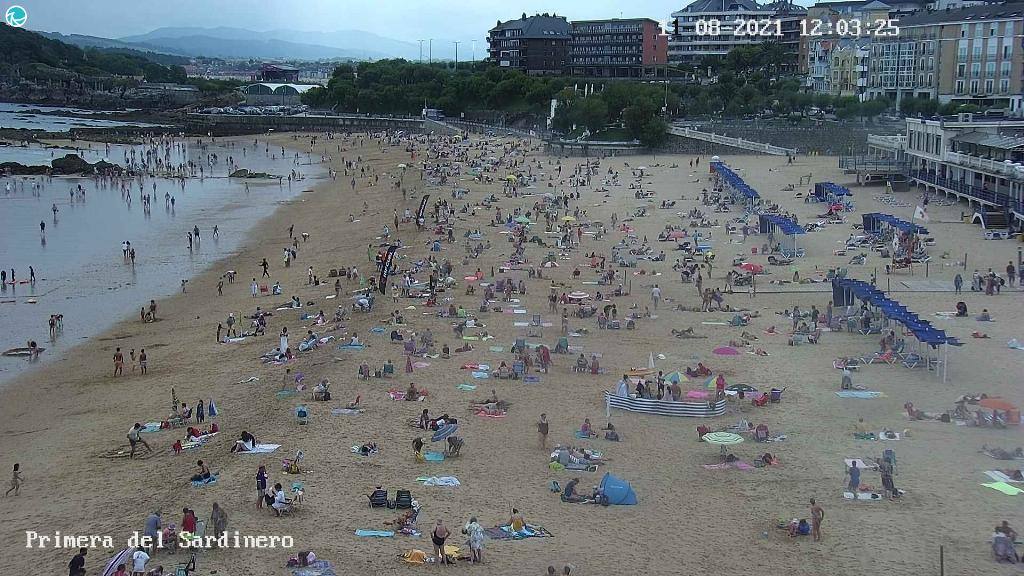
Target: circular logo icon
16	16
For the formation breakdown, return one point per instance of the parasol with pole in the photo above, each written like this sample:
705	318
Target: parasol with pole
723	439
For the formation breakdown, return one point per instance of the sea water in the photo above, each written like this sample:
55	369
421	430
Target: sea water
79	266
18	116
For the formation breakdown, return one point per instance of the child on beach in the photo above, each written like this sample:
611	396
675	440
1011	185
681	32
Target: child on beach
16	481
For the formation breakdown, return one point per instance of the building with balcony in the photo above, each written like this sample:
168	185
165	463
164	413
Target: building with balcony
617	48
537	45
688	45
978	158
968	55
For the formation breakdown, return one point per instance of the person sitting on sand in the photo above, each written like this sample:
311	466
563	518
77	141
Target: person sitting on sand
569	493
581	363
203	474
246	443
411	393
984	316
961	309
586	430
467	347
417	446
321	392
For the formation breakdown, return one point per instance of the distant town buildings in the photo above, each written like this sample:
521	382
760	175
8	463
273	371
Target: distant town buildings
537	45
280	73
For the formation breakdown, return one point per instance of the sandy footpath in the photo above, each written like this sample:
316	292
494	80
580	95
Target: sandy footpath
690	520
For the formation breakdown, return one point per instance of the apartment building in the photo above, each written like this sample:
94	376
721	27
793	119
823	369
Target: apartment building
617	48
690	43
976	157
968	55
537	45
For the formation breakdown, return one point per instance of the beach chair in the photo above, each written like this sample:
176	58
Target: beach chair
562	346
761	433
887	358
302	415
403	500
518	369
378	499
388	371
761	400
519	346
912	360
536	320
776	395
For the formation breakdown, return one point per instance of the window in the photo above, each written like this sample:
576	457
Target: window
974	86
961	50
976	70
992	48
976	50
1004	86
961	69
959	86
990	69
1007	47
988	86
1004	69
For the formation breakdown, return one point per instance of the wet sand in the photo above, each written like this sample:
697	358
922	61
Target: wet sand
689	519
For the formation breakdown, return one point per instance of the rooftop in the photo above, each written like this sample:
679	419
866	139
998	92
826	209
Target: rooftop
986	12
1013	141
701	6
539	26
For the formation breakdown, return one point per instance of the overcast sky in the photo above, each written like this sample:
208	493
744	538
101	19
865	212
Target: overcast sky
399	19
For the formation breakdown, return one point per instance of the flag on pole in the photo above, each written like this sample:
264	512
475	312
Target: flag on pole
920	214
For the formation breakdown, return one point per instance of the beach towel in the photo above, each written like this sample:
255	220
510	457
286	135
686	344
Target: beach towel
150	427
439	481
466	387
377	329
994	455
1000	476
359	450
497	349
506	533
862	394
211	480
481	375
345	412
318	567
375	533
262	449
351	347
234	340
420	364
739	465
1003	487
531	379
475	367
484	414
863	496
883	435
1015	344
249	379
434	457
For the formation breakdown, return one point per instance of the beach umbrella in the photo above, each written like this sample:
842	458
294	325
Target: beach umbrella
726	351
745	388
212	410
568	218
522	219
676	377
511	178
723	439
444	432
752	268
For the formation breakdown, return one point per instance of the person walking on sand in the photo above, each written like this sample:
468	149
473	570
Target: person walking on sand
261	485
142	361
655	296
135	437
853	472
76	567
265	266
817	516
475	533
958	282
542	431
16	481
255	287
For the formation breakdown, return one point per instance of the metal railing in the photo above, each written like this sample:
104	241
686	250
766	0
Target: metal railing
997	199
993	166
730	141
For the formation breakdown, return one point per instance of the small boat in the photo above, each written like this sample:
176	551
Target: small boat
23	351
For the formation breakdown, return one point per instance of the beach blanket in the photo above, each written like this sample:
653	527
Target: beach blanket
484	414
1000	476
475	367
377	329
211	480
400	395
506	533
249	379
739	465
359	450
863	394
531	379
1004	487
434	457
466	387
234	340
481	375
439	481
351	346
262	449
883	435
497	349
420	364
863	496
316	568
150	427
375	533
345	411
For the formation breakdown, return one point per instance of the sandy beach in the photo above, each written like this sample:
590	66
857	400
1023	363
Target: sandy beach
58	419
